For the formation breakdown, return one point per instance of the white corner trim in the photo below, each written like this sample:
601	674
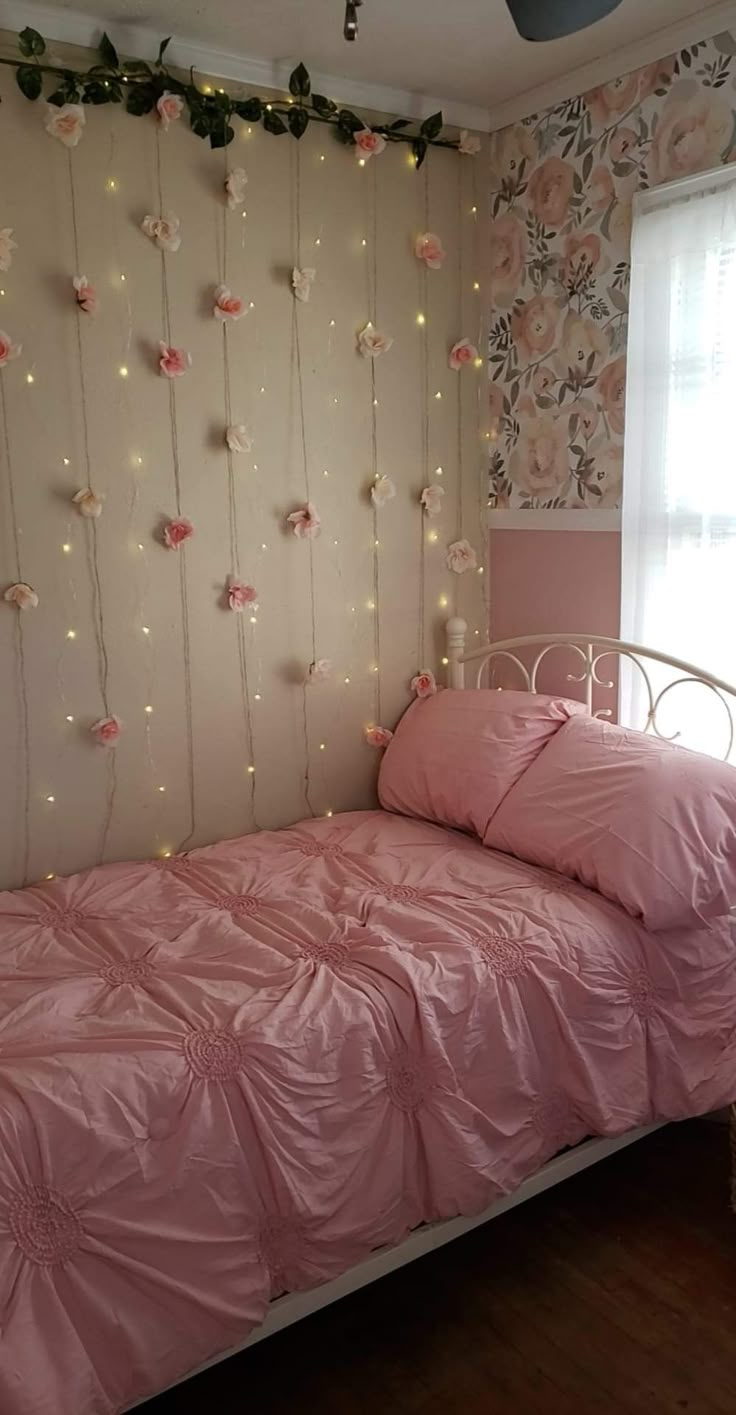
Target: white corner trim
563	520
141	42
712	20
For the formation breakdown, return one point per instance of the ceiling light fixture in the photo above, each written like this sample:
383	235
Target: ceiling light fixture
350	27
553	19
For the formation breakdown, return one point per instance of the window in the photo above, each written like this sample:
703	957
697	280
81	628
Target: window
679	523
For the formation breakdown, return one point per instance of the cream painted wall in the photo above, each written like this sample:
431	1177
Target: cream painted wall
226	694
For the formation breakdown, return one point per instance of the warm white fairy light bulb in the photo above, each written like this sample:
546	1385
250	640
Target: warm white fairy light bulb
442	601
322	746
257	697
71	633
421	319
332	324
473	211
433	537
69	717
30	378
162	788
370	604
480	569
140	547
145	629
476	285
438	471
51	800
478	362
364	242
321	157
112	185
251	770
65	460
66	547
438	395
51	876
361	163
123	371
346	680
148	708
445	662
328	814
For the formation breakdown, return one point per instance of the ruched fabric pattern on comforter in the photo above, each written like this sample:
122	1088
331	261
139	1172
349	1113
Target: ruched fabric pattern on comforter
236	1073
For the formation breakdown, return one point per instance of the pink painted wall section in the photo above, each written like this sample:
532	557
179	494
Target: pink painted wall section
554	582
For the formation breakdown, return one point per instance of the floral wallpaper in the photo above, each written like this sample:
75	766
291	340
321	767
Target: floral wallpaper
562	185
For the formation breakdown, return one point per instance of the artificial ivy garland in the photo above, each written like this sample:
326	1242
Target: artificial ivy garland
140	85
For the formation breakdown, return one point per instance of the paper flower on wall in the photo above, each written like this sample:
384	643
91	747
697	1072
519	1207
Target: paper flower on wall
65	123
88	503
86	295
227	305
306	522
302	282
238	438
319	671
425	684
8	350
431	499
239	594
429	248
22	596
378	736
177	531
164	230
383	490
107	731
469	144
367	143
169	108
7	246
371	343
173	362
462	353
461	557
235	185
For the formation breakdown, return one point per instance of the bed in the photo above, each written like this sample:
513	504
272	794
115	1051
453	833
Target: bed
239	1083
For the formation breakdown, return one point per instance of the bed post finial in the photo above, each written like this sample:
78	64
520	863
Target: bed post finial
456	629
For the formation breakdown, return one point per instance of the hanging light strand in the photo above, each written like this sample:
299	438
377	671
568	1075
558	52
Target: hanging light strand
19	643
297	361
372	274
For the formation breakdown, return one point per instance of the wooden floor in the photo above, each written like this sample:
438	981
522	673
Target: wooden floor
612	1294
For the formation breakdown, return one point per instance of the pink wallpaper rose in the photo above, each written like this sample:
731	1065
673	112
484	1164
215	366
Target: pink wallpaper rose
561	207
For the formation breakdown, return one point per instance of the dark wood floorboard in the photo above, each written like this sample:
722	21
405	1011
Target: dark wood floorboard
612	1294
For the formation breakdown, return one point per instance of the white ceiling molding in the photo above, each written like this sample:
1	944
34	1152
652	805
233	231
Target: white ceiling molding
712	20
139	42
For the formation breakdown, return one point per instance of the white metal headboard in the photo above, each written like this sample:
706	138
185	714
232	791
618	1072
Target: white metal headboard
590	649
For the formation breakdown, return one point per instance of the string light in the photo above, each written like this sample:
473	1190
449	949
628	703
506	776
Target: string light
251	770
442	601
480	569
71	633
346	680
257	697
361	163
376	543
51	876
325	473
321	157
476	285
112	185
51	800
328	814
148	708
269	107
318	242
364	242
335	542
332	324
165	854
253	619
438	471
2	292
433	537
375	402
30	378
69	717
421	319
140	547
438	395
65	460
145	629
162	788
264	546
445	662
262	390
66	547
370	604
374	668
123	371
206	88
473	211
322	746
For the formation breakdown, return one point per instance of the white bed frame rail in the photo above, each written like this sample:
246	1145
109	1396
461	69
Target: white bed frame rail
590	650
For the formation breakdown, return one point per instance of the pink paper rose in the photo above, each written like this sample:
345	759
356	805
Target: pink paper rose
177	531
238	438
431	499
65	123
461	557
227	305
239	594
368	144
22	596
86	295
306	522
302	282
8	350
429	248
173	362
169	108
7	246
164	230
235	185
469	144
462	353
88	503
382	490
378	736
425	684
371	343
107	731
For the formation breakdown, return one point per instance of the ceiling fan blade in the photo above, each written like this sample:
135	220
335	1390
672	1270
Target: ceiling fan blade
552	19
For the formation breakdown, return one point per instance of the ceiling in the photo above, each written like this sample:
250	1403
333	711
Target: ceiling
466	50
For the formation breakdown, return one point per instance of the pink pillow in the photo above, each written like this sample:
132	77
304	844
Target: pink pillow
455	755
650	825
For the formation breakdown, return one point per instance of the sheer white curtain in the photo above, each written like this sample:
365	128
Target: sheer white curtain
679	521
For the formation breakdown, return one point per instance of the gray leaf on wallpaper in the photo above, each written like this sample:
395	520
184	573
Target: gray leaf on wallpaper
563	183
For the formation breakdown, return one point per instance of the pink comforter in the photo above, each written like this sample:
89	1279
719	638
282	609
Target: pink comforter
236	1073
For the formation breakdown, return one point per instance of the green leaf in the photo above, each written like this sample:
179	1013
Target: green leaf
137	66
431	127
163	46
419	148
349	122
324	106
298	122
398	124
29	80
31	43
99	92
221	135
251	109
343	135
59	97
140	100
300	83
273	123
108	52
